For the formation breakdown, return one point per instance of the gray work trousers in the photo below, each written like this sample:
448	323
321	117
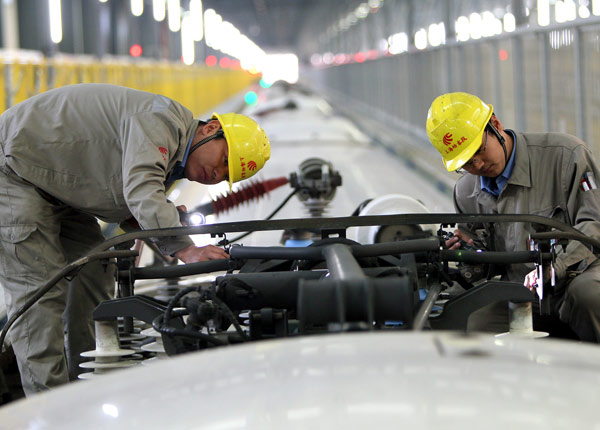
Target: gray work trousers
37	239
580	305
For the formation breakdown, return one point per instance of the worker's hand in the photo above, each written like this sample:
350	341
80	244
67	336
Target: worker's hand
194	254
531	280
455	241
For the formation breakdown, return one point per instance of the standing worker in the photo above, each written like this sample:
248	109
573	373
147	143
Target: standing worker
506	172
87	151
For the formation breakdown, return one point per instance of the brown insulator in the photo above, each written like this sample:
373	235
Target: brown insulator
248	192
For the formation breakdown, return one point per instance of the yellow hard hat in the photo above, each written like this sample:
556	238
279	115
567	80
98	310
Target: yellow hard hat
249	147
455	126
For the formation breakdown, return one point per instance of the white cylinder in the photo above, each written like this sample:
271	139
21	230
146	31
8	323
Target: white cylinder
520	317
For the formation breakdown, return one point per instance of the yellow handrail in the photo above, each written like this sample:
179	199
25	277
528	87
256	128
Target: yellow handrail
199	88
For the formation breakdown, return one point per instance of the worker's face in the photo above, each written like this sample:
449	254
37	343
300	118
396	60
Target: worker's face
208	164
489	159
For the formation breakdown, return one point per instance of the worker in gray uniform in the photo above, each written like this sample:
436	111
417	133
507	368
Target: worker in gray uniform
84	152
506	172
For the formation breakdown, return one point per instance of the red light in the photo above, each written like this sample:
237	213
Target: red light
211	61
224	62
503	55
360	57
135	50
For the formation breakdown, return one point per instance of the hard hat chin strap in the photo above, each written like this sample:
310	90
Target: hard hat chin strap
205	140
500	139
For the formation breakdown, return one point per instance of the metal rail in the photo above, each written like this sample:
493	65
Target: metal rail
338	223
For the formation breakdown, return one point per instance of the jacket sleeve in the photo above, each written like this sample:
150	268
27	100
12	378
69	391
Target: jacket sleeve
150	139
464	205
583	203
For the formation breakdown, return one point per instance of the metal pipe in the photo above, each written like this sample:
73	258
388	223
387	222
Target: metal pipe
341	263
426	306
337	223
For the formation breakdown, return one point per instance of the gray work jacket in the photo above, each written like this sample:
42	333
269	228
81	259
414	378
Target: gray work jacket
546	181
102	149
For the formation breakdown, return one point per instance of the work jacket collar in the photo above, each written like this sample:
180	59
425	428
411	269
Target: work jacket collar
521	174
191	130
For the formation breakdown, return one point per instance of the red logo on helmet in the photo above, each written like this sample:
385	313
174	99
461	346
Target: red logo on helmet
251	165
163	151
447	139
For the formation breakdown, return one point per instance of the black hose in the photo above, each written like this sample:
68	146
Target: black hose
65	271
316	253
277	209
157	324
172	331
493	257
179	270
166	317
231	317
587	240
389	248
173	302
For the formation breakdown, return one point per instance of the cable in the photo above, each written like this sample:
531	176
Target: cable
157	325
277	209
164	328
230	317
173	302
67	270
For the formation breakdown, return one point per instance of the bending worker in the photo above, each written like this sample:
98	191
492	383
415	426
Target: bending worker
506	172
81	152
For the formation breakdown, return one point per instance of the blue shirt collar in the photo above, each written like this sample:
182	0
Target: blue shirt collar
495	186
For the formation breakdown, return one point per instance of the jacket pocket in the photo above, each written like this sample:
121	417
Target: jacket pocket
19	250
555	212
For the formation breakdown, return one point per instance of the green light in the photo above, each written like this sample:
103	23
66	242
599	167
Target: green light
250	97
264	84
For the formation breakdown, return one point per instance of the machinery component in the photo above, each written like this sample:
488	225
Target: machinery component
251	191
387	205
521	321
316	182
358	304
268	323
157	347
108	353
458	308
144	309
349	287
